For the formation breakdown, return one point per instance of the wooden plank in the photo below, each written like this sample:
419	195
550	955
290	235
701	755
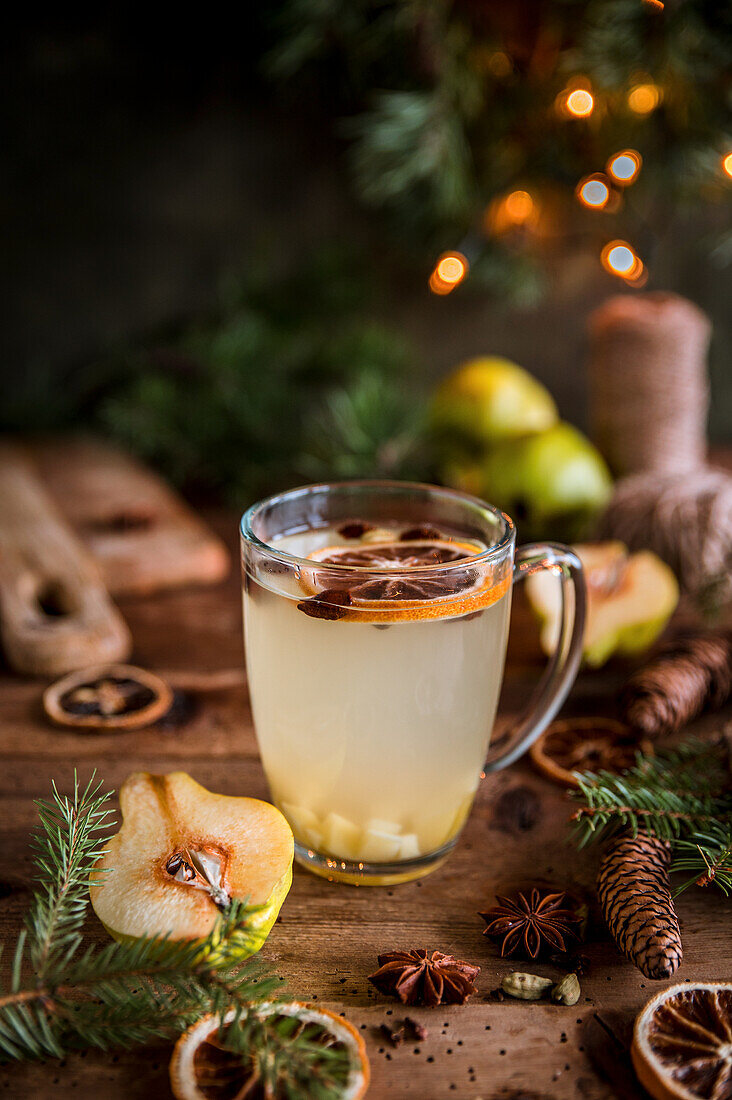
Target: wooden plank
55	613
143	535
328	936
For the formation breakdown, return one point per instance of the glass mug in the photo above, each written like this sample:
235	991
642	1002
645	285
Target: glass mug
376	620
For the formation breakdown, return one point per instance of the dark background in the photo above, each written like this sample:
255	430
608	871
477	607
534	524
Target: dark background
146	161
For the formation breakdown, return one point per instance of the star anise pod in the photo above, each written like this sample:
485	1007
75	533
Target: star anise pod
532	921
417	978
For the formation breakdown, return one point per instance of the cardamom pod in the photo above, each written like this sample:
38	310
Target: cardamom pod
567	992
527	987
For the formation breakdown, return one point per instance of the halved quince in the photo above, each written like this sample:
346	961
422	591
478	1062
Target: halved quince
183	853
630	598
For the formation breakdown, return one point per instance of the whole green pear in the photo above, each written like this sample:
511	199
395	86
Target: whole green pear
485	401
552	483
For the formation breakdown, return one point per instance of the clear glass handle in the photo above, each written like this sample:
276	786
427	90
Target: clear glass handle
558	678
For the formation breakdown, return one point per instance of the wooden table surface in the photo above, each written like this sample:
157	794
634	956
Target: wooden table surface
327	939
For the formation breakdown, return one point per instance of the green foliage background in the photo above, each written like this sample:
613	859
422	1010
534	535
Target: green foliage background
289	380
436	127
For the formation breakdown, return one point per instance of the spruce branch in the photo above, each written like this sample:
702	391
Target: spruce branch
372	428
66	845
286	1055
682	796
119	994
670	795
708	856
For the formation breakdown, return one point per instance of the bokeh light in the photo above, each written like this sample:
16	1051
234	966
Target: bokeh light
638	276
625	166
507	213
727	164
519	206
593	191
449	272
644	98
579	103
500	64
620	258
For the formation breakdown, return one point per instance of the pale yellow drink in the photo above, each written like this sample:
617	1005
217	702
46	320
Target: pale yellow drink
372	732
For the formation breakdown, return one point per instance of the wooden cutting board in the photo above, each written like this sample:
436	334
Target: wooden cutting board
141	533
55	612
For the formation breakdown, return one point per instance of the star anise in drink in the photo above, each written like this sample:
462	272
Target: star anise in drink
418	978
533	921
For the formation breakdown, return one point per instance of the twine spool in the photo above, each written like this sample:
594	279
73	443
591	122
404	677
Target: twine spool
686	520
649	392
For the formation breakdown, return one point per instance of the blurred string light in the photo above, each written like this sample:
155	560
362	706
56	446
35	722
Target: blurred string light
576	102
515	210
594	191
500	64
638	277
621	259
449	271
657	4
644	98
519	207
625	166
727	164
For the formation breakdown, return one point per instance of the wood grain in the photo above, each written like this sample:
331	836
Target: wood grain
327	939
142	534
55	613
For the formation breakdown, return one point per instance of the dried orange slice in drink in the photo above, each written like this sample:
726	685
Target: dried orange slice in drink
682	1042
208	1064
585	745
408	590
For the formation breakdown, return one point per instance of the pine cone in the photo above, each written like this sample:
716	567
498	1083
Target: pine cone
635	896
692	673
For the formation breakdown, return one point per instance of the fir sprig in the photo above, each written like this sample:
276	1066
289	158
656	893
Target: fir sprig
120	994
682	796
66	845
373	428
708	857
265	1042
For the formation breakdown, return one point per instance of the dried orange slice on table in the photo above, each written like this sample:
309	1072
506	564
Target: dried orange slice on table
585	745
114	697
209	1064
682	1042
408	590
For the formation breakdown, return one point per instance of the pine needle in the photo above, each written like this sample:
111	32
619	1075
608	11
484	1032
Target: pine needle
119	994
682	796
66	846
708	856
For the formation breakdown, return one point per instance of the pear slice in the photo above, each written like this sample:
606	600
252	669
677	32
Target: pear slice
630	598
341	837
183	853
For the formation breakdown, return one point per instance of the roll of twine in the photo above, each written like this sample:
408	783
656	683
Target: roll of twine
686	520
648	383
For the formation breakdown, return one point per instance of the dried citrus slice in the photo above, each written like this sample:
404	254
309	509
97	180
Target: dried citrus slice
585	744
107	697
205	1067
408	590
682	1042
